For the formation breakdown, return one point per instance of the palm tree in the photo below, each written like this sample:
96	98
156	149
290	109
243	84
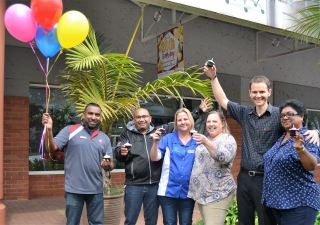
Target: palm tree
307	22
113	81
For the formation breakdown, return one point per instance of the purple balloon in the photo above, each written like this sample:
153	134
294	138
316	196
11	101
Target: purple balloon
20	23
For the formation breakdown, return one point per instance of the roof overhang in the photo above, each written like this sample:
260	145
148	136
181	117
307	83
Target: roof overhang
177	5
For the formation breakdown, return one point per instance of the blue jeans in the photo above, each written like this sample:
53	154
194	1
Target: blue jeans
173	206
302	215
135	196
74	207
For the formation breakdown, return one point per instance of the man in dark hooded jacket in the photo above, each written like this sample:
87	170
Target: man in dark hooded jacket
142	175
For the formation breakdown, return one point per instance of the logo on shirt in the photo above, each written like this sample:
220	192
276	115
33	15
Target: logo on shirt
100	140
191	151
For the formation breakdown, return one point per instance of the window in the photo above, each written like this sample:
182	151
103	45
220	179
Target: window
313	119
63	114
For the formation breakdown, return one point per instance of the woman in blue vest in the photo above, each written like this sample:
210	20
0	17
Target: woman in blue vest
178	151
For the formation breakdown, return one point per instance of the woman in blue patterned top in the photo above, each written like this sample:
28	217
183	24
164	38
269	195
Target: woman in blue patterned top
211	184
289	188
177	150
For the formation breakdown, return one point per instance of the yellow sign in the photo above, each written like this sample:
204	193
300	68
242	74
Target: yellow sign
170	51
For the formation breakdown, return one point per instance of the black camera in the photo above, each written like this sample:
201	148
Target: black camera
210	63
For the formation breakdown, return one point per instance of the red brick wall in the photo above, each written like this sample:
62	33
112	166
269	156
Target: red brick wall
236	132
117	179
16	147
51	185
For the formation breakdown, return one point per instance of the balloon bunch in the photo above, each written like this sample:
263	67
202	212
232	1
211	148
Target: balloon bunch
45	24
52	32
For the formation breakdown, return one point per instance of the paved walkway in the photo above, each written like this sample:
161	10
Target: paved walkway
50	211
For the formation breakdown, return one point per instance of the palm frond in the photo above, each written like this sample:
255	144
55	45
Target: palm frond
113	81
175	83
307	22
85	55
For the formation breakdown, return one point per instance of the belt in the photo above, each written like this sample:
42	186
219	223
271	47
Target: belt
252	173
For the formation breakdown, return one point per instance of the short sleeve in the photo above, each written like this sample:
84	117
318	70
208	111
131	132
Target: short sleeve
62	138
163	144
234	110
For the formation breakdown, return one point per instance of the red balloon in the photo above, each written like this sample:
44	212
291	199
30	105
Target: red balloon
47	12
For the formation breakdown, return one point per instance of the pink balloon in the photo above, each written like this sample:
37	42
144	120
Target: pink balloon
20	23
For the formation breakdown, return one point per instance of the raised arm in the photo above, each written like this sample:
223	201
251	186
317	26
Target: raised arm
47	122
217	90
154	155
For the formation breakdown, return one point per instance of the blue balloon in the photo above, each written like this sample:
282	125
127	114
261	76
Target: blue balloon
47	41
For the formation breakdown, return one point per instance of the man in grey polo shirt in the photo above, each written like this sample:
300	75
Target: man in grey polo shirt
84	146
260	130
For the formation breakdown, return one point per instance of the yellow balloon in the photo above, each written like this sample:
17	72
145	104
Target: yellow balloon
73	28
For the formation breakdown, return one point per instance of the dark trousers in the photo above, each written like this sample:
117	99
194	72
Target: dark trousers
171	207
135	196
74	206
303	215
249	193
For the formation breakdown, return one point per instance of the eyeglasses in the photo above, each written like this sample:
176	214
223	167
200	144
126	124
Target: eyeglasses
288	115
141	117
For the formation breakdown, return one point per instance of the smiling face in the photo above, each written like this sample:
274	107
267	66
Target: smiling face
92	116
142	120
214	125
183	122
259	94
290	117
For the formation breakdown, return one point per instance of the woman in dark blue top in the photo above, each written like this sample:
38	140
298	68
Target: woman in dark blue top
289	188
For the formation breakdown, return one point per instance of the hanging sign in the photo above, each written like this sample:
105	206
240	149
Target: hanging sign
170	51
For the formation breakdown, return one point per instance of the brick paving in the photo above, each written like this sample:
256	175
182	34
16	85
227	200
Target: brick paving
50	211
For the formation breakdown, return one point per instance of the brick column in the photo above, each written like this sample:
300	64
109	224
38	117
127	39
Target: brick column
16	147
235	130
2	44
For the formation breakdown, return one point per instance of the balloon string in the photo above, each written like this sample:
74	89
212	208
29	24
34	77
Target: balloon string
41	149
47	86
56	59
34	52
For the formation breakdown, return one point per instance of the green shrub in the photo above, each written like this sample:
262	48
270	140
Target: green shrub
199	222
317	222
232	214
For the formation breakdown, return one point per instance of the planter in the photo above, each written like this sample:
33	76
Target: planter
113	209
